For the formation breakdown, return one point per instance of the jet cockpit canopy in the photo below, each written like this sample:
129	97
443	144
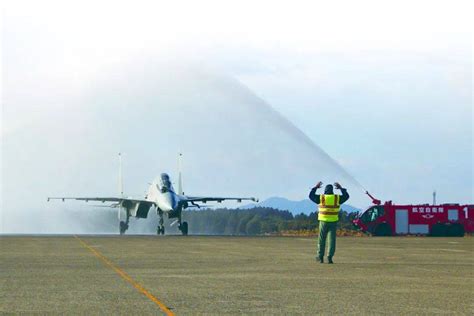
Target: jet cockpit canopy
165	183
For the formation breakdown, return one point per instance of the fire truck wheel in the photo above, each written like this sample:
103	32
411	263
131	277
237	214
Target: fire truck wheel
456	230
439	230
383	230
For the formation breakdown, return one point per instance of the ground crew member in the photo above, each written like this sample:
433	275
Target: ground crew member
328	216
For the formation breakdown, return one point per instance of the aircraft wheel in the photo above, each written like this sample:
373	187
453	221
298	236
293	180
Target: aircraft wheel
123	227
439	230
383	230
184	228
456	230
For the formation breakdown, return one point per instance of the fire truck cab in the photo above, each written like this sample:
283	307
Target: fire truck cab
435	220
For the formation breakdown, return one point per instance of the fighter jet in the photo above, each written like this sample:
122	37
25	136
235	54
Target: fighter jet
161	196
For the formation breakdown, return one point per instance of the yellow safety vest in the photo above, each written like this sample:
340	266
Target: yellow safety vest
329	208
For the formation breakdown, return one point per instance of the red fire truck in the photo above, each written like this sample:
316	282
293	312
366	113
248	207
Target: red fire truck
436	220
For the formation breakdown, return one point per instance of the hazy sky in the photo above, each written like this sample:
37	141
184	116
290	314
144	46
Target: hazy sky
385	87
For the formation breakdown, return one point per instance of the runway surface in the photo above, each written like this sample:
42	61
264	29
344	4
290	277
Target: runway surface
234	275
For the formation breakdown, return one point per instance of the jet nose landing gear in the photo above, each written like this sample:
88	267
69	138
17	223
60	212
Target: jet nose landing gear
160	230
161	227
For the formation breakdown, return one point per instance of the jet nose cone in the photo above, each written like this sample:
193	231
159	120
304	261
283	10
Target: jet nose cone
166	206
168	203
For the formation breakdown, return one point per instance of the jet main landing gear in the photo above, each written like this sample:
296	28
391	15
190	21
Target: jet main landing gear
183	227
123	226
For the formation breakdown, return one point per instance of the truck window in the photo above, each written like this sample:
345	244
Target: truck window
453	215
372	214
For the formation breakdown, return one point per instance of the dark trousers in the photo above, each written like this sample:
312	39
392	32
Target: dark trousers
325	229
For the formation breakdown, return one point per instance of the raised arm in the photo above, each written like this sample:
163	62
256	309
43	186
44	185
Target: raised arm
312	194
345	196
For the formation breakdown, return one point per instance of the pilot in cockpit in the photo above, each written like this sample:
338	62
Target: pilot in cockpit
165	183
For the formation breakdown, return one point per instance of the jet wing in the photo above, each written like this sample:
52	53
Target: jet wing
205	199
102	199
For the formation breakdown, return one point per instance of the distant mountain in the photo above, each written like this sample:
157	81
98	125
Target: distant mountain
296	207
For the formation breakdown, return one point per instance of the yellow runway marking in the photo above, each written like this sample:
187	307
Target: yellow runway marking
126	277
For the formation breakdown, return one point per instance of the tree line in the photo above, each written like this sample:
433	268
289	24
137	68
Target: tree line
254	221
